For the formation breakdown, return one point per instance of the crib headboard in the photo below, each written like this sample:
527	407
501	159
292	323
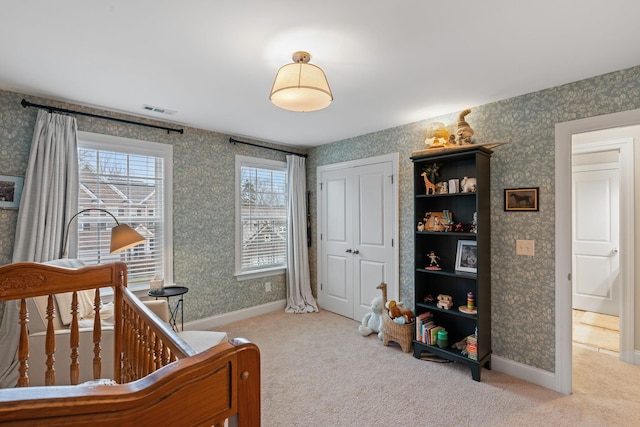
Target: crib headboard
160	378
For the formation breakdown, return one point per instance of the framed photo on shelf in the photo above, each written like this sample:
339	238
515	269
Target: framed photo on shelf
521	199
467	256
10	191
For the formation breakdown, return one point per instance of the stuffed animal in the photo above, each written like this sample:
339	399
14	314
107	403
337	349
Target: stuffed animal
372	321
397	311
462	346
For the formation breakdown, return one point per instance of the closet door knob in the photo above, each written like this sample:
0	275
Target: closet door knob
348	251
356	252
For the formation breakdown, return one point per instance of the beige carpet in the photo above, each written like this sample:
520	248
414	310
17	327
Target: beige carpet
318	371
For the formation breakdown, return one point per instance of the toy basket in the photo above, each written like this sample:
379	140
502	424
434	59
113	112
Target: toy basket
392	331
401	334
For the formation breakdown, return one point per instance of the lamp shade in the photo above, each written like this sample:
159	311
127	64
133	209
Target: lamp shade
301	86
124	237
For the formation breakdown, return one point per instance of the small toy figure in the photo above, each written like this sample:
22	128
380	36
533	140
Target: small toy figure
471	301
474	223
433	263
459	228
430	187
444	301
420	226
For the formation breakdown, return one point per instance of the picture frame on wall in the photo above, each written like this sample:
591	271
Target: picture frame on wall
521	199
10	191
467	256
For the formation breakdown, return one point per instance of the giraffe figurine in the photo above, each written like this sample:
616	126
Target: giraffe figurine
429	186
383	287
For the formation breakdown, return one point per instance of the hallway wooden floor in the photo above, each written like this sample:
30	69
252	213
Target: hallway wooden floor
596	331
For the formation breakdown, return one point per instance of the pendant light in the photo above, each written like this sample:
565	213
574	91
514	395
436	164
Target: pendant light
301	86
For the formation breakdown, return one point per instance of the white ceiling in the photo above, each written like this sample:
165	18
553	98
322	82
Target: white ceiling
388	62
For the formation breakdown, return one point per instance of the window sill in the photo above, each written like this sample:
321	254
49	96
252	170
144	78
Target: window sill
261	273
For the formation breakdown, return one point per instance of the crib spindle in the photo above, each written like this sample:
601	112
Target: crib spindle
23	346
97	337
50	345
74	341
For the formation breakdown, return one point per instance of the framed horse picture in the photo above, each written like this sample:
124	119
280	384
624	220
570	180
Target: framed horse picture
521	199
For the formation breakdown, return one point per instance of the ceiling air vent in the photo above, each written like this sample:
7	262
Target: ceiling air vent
159	110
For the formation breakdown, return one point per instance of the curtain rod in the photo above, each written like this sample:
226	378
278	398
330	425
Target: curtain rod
235	141
51	109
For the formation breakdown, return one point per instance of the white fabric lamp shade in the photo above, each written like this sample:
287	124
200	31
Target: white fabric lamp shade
124	237
301	86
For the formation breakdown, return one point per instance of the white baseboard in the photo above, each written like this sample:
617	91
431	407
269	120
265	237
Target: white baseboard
222	319
524	372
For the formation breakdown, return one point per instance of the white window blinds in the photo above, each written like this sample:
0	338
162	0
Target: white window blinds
263	209
132	187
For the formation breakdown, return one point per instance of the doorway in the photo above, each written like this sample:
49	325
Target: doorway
358	234
617	122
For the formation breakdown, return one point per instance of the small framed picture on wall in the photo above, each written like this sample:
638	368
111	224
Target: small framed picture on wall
521	199
10	191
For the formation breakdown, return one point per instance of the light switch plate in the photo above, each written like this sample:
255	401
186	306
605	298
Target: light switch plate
525	247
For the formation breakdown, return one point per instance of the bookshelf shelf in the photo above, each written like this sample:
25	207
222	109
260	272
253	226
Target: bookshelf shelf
450	280
453	311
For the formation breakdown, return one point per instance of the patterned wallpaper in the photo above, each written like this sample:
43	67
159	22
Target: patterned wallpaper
204	206
523	287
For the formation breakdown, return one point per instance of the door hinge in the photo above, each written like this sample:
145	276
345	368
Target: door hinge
320	286
391	242
391	176
320	236
320	186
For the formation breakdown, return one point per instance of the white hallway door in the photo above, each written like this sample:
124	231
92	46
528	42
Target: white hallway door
596	238
357	237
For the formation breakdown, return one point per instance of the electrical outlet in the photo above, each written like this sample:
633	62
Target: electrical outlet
267	286
525	247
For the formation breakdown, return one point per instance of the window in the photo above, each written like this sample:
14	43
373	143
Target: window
129	178
261	221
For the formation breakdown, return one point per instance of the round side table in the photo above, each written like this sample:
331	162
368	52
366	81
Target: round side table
168	292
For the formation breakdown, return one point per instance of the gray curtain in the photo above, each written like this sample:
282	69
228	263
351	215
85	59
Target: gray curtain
299	296
49	200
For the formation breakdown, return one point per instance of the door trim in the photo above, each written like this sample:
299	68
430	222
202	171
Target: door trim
563	295
624	147
394	158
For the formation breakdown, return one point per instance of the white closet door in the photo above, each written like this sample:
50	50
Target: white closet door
357	229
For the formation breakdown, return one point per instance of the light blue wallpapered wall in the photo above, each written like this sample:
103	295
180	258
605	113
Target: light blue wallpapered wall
523	287
203	184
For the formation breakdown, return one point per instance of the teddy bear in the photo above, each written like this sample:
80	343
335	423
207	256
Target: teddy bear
372	321
398	313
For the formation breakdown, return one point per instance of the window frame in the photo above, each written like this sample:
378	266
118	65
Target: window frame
260	163
97	141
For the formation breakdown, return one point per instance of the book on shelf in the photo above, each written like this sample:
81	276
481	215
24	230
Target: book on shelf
421	319
433	334
472	347
423	332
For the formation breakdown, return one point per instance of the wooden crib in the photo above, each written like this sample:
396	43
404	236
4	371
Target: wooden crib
160	379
